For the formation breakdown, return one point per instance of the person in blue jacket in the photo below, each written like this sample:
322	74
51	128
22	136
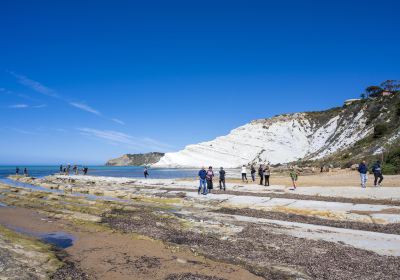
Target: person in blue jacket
377	170
363	170
203	181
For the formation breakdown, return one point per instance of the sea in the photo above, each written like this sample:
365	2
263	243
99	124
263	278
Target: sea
109	171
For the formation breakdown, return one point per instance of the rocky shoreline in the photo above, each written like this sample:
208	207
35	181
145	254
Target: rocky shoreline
257	232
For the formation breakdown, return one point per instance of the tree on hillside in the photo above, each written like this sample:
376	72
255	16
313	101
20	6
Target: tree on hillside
391	85
373	91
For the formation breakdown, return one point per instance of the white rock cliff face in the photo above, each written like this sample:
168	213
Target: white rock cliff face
280	139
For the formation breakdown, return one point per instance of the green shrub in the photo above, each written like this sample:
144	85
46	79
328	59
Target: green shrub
373	114
390	169
380	130
398	109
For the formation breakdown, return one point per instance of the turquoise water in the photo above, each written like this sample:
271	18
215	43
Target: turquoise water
112	171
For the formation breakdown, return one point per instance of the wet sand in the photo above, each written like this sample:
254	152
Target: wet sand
106	254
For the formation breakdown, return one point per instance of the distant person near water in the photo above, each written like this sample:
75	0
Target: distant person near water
202	176
267	173
61	168
253	173
260	173
145	172
363	170
17	171
25	171
294	176
244	174
377	170
209	177
75	169
222	178
85	170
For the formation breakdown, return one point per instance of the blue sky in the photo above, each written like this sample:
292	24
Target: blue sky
84	81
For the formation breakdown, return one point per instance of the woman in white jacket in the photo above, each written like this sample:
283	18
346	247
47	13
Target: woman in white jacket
244	174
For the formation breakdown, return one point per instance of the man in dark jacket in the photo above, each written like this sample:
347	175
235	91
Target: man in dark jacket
261	173
377	170
222	178
363	170
202	177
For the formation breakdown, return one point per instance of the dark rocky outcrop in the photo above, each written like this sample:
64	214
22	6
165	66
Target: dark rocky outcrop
135	159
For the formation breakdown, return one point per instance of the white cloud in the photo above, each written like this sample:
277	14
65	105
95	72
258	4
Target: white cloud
25	106
36	86
19	106
85	107
22	131
118	121
39	106
115	137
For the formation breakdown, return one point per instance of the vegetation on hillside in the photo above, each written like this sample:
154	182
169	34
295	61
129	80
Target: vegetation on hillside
381	107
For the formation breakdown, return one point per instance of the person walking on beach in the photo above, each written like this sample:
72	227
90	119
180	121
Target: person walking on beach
146	172
377	170
363	170
294	176
253	173
267	173
85	170
222	178
244	174
61	168
17	171
209	177
75	169
260	173
25	172
202	176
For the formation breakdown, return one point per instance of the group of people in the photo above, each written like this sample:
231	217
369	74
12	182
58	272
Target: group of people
17	170
75	169
206	180
376	170
264	172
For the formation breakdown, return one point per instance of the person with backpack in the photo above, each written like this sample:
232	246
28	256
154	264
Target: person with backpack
260	173
244	174
222	178
363	170
202	176
209	177
294	176
267	173
377	170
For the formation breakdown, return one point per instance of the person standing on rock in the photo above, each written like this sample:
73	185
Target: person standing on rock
377	170
75	169
260	173
363	170
253	173
146	172
222	178
202	177
209	177
267	173
294	176
25	171
61	168
244	174
17	171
